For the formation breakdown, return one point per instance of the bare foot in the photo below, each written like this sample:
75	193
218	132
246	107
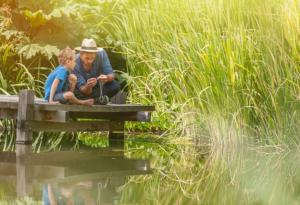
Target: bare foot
54	102
88	102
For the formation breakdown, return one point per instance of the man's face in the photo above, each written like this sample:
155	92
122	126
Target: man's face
87	59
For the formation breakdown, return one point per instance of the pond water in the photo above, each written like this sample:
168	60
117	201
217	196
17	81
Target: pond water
80	174
149	169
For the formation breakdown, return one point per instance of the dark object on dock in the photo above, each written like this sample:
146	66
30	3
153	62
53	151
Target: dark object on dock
34	114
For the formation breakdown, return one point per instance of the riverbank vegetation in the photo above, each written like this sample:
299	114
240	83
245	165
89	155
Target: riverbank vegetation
223	75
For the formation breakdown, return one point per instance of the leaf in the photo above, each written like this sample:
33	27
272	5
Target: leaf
36	19
56	13
10	33
49	51
3	82
31	50
34	5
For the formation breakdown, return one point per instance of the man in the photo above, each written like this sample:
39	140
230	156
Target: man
94	73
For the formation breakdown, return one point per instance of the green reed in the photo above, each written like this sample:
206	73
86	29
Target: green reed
238	58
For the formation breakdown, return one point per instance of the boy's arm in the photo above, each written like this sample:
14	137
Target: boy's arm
51	195
53	90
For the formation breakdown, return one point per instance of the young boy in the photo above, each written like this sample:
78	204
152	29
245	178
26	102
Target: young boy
60	84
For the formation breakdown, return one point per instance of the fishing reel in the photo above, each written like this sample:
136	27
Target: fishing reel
103	100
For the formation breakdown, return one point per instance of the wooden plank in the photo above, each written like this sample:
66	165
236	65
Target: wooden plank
81	108
70	126
15	98
25	113
114	116
11	102
8	113
51	116
94	108
9	105
7	168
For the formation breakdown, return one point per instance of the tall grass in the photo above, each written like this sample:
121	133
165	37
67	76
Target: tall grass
237	58
226	73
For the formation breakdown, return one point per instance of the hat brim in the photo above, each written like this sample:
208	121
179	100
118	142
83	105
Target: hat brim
87	50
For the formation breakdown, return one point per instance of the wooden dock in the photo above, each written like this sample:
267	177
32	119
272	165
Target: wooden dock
34	114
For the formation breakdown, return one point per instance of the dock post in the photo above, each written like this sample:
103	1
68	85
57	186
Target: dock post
24	182
25	112
116	136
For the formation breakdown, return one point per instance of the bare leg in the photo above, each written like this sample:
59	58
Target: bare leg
73	100
72	82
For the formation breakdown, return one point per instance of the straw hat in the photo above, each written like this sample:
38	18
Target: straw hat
88	45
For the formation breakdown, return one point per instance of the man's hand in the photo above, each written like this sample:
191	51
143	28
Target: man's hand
88	87
91	82
105	78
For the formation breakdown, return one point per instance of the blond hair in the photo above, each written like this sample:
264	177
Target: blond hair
65	54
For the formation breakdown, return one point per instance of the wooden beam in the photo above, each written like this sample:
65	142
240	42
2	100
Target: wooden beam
51	116
114	116
9	105
11	102
7	113
94	108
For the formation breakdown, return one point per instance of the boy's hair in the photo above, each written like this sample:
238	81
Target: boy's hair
65	54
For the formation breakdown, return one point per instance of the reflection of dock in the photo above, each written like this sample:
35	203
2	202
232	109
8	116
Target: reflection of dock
27	169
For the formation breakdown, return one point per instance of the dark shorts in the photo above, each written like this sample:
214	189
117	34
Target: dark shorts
60	98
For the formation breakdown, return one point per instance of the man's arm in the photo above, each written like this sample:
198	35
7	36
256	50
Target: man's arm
85	86
108	74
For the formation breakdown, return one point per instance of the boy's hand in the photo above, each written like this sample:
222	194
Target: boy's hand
91	82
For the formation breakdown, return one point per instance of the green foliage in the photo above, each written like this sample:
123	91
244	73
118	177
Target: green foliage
238	58
32	33
31	50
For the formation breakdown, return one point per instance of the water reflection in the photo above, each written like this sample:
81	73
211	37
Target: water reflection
67	177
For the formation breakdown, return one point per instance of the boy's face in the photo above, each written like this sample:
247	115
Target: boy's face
70	63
